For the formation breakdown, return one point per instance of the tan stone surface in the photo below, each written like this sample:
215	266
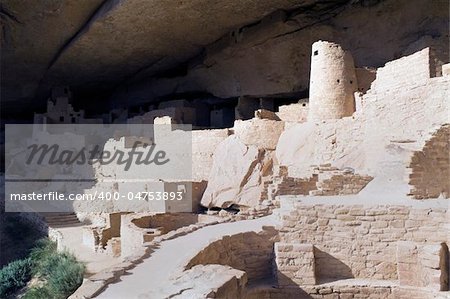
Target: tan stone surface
249	252
295	263
297	112
204	144
363	241
334	181
209	281
382	135
262	133
235	175
266	114
446	69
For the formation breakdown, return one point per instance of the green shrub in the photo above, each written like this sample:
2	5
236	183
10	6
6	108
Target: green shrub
14	276
39	293
62	272
41	256
66	275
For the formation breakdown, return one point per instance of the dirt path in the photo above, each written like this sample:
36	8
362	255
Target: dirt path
152	278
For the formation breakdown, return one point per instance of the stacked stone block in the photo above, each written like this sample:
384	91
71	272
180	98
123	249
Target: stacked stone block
429	169
249	252
297	112
414	69
419	265
295	264
362	242
332	83
283	184
333	181
324	181
331	291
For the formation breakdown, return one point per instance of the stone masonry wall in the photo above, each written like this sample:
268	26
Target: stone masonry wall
429	169
165	222
297	112
249	252
357	242
346	291
415	69
325	180
334	181
332	82
136	229
283	184
420	265
326	291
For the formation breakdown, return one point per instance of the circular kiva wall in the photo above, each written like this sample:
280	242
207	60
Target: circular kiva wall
332	82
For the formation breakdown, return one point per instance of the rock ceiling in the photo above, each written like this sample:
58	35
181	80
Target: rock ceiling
96	44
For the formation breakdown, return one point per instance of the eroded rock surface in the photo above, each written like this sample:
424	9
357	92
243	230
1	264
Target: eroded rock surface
235	175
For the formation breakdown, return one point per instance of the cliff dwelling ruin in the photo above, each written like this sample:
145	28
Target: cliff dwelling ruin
234	149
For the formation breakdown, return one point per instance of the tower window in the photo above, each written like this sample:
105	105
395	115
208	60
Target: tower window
316	52
444	267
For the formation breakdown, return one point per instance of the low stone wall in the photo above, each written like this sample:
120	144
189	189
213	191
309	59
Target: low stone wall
377	242
343	290
289	259
165	222
349	289
97	238
283	184
429	169
422	265
137	229
266	114
297	112
413	69
325	180
334	181
249	252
